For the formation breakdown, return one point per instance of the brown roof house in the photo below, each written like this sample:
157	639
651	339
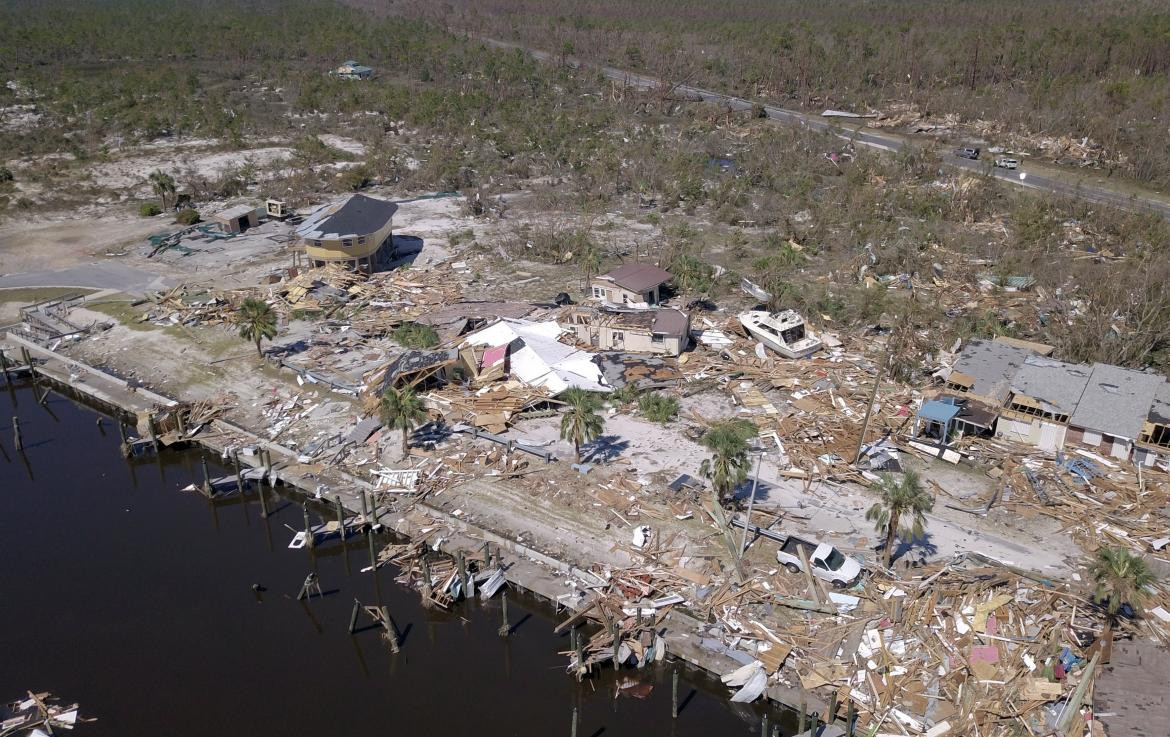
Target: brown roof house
632	284
664	330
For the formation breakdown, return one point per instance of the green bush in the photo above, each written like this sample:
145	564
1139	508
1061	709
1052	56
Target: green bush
5	174
658	407
187	217
149	209
416	335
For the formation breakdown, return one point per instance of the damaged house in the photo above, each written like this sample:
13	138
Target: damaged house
662	331
1024	396
532	353
631	284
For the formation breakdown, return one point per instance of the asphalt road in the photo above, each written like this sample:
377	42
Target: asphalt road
873	139
99	275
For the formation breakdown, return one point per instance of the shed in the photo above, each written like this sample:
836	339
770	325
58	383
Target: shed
237	219
935	417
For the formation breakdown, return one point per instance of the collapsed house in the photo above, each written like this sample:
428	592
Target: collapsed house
1012	391
532	353
664	330
632	284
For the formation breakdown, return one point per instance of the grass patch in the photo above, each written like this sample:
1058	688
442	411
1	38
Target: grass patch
416	335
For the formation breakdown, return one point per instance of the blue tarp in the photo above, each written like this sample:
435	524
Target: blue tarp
936	411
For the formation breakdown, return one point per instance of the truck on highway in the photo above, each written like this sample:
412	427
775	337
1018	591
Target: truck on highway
828	563
967	152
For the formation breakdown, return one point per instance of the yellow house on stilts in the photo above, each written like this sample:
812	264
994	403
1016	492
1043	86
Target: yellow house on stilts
355	231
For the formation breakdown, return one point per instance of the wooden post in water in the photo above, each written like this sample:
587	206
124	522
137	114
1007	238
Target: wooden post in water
674	693
463	574
309	541
504	628
831	714
573	733
617	632
391	629
353	615
153	434
206	475
428	590
851	718
4	368
239	475
373	555
580	655
366	511
803	722
764	726
340	516
17	442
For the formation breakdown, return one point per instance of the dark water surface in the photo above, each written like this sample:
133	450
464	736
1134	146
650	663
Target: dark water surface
133	598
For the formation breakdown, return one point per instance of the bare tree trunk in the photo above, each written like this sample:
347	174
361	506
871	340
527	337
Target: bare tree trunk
891	533
405	441
258	351
577	450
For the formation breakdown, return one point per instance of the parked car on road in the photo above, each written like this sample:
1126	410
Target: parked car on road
1005	163
967	152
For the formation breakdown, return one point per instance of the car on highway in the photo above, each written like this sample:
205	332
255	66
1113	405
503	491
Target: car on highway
1006	163
967	152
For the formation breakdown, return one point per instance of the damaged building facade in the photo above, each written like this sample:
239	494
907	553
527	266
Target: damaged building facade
631	284
662	331
1021	394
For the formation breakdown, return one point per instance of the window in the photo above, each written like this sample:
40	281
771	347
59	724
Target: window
362	241
625	298
316	243
598	292
618	336
347	242
658	338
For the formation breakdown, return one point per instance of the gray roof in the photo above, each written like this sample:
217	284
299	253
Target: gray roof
1160	411
670	322
1116	401
992	365
355	216
1055	384
637	277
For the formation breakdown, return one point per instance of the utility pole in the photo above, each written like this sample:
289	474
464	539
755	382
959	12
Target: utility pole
751	503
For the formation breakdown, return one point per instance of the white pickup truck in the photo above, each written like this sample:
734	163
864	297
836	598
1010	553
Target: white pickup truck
828	563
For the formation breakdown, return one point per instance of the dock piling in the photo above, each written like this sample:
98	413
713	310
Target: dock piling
573	732
4	368
353	615
674	693
617	640
17	441
503	631
373	555
803	721
764	726
391	629
239	475
309	541
206	475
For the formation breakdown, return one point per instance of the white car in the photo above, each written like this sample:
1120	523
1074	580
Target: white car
1004	163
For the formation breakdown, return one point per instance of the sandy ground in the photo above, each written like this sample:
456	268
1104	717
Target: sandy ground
35	244
131	173
831	512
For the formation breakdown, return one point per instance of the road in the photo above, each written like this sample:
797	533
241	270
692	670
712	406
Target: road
874	139
99	275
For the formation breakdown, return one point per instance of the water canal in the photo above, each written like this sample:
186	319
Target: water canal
135	599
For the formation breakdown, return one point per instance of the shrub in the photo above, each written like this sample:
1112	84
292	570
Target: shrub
5	174
187	217
149	209
625	394
416	335
355	179
658	407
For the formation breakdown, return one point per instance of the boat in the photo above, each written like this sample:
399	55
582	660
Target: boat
783	332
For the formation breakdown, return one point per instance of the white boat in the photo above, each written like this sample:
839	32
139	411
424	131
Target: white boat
781	331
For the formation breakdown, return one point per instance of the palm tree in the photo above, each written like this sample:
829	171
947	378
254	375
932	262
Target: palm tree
1122	577
727	467
163	185
590	261
900	498
402	409
256	321
581	424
